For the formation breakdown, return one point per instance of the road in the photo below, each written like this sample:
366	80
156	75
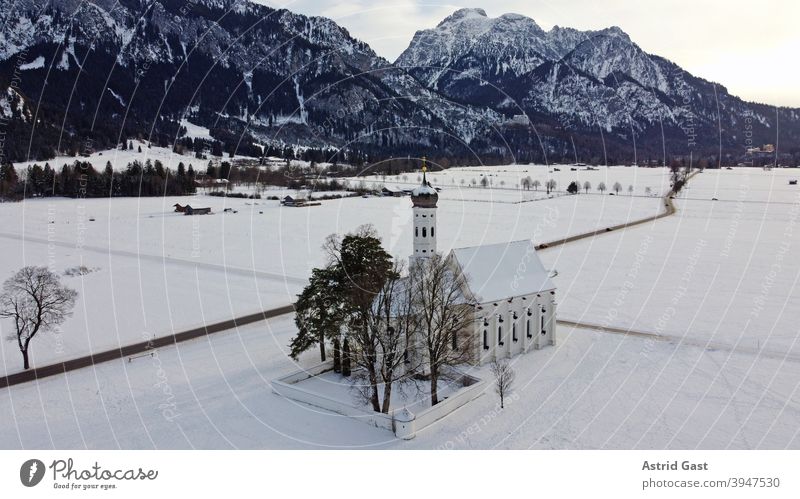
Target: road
141	347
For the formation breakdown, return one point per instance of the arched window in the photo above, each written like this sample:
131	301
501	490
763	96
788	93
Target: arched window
416	231
543	332
499	335
485	340
514	331
528	328
432	231
424	232
455	335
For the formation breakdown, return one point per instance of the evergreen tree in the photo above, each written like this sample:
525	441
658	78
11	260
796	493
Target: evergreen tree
319	312
8	181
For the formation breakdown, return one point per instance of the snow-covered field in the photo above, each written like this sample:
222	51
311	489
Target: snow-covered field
505	182
125	298
723	272
717	281
594	390
119	159
160	271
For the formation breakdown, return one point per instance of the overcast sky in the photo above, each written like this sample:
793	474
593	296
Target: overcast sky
751	47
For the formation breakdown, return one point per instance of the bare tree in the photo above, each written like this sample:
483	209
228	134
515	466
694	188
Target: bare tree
442	312
393	322
550	185
601	187
586	187
503	378
36	301
536	184
630	190
617	187
526	183
648	191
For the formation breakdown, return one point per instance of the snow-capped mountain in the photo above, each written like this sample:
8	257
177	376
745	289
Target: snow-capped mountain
591	84
85	74
106	70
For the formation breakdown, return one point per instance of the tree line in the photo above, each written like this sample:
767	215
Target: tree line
81	179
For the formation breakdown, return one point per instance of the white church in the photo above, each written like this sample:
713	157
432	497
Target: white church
516	307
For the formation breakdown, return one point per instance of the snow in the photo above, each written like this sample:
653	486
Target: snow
37	63
498	271
717	272
413	395
120	159
505	182
129	297
161	271
594	390
196	131
710	291
118	97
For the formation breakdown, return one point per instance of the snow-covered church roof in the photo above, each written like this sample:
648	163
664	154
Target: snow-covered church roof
501	271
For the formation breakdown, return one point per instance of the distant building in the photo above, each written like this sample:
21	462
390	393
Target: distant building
392	191
293	201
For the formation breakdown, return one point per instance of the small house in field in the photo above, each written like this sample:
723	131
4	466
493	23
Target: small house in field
295	201
392	191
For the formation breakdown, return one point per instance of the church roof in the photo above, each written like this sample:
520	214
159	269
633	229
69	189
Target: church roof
500	271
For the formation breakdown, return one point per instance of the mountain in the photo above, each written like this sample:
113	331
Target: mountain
597	88
81	75
96	72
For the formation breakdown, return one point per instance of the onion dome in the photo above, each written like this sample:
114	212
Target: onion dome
424	196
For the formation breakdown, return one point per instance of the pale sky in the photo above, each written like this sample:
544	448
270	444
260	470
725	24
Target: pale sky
751	47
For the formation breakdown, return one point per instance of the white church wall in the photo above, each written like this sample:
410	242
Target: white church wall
492	311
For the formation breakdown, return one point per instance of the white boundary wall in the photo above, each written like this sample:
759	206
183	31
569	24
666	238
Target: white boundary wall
402	422
287	387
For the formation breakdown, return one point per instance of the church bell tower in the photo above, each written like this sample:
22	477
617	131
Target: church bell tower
424	200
